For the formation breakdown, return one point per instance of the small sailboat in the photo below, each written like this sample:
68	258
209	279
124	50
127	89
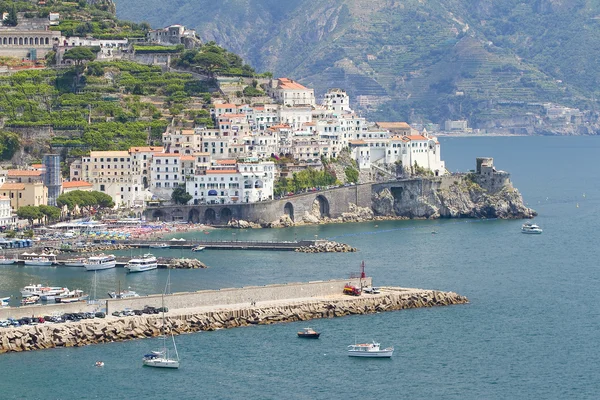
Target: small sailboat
162	358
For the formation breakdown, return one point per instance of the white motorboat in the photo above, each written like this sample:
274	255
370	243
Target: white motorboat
75	262
123	295
7	261
52	294
369	350
159	246
4	301
28	301
146	263
198	248
39	290
161	358
531	229
100	262
72	296
43	260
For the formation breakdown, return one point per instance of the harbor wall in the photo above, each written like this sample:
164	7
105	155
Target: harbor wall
41	310
242	296
111	329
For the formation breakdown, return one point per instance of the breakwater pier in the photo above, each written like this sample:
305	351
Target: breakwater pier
214	309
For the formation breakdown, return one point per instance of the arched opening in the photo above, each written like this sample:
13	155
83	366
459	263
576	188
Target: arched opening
258	184
25	41
210	216
247	184
30	40
9	40
226	215
4	41
138	215
145	182
194	216
177	215
323	206
20	41
37	41
158	215
47	42
288	210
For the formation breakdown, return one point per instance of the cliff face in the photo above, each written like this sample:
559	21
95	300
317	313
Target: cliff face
452	197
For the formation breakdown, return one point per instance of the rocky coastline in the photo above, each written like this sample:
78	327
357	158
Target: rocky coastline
114	329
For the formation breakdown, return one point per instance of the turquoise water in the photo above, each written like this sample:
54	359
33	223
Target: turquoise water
530	331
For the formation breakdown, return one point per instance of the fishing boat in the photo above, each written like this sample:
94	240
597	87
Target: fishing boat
159	246
531	229
146	263
6	261
161	358
72	296
75	262
4	301
100	262
198	248
369	350
309	333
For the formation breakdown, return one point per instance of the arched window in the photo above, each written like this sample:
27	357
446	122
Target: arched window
9	40
21	41
25	41
37	41
47	41
4	41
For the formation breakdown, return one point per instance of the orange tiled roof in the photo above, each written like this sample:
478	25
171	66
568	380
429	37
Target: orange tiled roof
13	186
393	125
73	184
147	149
221	171
417	137
288	84
37	166
225	105
188	158
226	162
23	172
357	142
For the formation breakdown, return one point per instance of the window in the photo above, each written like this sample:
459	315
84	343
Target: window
102	189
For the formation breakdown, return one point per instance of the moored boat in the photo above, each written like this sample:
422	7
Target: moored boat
39	290
4	301
159	246
7	261
42	260
52	294
309	333
146	263
72	296
30	300
369	350
100	262
123	295
198	248
75	262
531	229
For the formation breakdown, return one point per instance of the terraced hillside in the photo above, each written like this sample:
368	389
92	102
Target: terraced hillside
430	60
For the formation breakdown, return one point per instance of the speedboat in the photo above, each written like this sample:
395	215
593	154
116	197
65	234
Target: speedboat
159	246
27	301
4	301
100	262
198	248
531	228
146	263
309	333
369	350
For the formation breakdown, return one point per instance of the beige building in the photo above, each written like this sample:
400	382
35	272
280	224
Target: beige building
25	194
24	176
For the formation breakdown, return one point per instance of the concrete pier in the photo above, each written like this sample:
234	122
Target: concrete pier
225	308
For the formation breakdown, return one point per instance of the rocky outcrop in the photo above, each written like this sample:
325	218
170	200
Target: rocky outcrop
113	329
326	247
465	197
241	224
186	263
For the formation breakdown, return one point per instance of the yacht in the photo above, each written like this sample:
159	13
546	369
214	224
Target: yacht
531	228
39	290
99	262
7	261
198	248
72	296
38	259
75	262
369	350
52	294
146	263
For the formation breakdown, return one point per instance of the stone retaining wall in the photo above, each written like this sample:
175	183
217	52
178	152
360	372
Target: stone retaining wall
124	328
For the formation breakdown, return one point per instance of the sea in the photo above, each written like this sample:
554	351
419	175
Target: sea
530	331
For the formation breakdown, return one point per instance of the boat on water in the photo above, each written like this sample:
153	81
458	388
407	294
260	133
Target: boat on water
531	228
162	358
369	350
75	262
159	246
4	301
145	263
72	297
126	294
43	260
53	293
39	290
100	262
309	333
198	248
30	300
7	261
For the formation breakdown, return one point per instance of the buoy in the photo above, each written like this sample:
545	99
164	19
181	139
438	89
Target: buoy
99	364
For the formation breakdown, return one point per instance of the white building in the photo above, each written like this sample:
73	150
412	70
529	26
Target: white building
6	216
227	182
165	174
171	35
291	93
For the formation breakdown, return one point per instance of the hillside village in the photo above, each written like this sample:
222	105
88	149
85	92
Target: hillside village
259	139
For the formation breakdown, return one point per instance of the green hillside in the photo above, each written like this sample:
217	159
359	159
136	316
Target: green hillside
431	60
